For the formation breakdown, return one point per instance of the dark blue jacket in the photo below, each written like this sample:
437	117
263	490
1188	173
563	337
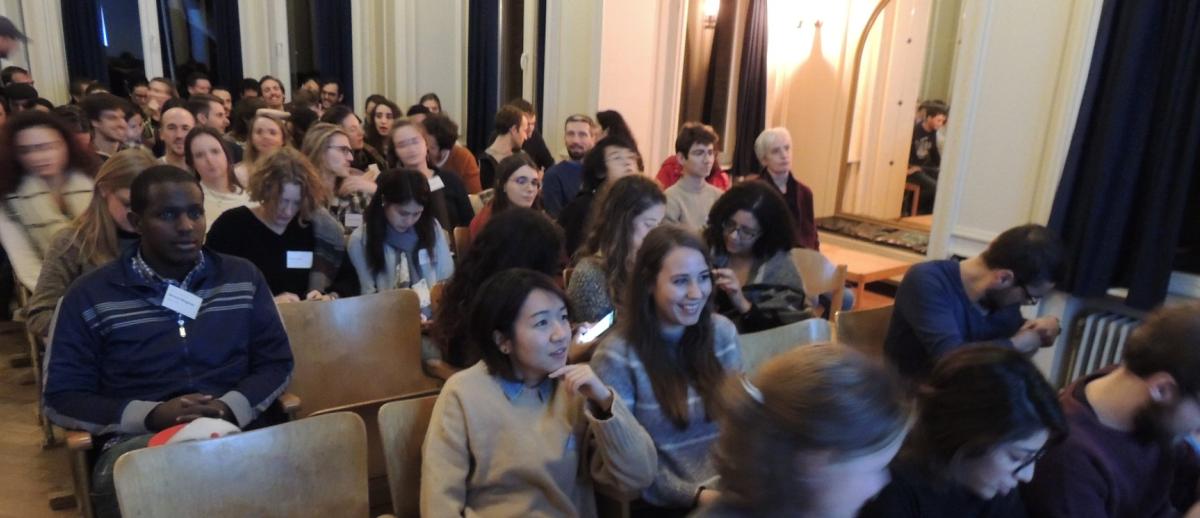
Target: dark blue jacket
115	353
933	316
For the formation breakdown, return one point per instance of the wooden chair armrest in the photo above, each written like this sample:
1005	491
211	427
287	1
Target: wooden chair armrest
290	403
78	440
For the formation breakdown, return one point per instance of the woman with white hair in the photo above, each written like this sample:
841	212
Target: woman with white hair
774	150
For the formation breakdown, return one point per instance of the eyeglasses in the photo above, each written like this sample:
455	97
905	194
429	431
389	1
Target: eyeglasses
1030	461
744	233
1030	299
345	150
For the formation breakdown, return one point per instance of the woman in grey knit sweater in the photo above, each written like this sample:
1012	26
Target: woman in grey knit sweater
630	209
667	360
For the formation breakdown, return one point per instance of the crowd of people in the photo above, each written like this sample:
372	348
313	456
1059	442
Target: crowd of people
166	227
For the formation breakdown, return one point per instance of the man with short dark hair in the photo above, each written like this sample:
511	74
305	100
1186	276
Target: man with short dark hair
21	97
533	144
944	305
512	127
106	112
198	83
226	98
924	156
176	122
167	333
562	180
208	111
1129	452
690	199
15	74
331	93
447	155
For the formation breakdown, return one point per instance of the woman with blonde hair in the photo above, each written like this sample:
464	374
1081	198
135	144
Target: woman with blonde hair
327	146
93	239
293	240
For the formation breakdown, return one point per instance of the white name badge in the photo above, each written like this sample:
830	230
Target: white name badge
353	220
299	259
436	184
181	301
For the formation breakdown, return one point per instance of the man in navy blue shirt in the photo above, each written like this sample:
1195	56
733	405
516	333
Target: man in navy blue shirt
944	305
167	333
562	181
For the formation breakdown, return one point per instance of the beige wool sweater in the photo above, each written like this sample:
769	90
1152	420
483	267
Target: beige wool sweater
493	450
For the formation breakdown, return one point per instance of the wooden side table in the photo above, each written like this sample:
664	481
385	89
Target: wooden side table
863	267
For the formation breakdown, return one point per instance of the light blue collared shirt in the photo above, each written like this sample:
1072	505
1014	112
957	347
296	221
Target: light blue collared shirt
513	388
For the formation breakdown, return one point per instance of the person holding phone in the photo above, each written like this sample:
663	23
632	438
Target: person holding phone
667	360
522	433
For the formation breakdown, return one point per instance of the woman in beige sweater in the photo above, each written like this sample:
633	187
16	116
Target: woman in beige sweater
522	433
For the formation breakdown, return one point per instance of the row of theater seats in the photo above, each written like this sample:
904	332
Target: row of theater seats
361	356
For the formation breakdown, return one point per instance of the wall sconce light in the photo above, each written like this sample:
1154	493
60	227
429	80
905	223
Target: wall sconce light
711	9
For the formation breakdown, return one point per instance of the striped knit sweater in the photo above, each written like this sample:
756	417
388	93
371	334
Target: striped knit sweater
684	456
115	352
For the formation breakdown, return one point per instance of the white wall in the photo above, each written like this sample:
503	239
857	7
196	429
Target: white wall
406	48
572	83
641	62
263	24
45	53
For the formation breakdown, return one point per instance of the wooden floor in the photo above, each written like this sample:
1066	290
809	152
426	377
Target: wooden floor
28	474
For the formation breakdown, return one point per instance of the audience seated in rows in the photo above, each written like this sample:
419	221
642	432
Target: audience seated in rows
944	305
667	360
46	181
749	234
518	184
1131	448
610	160
811	436
400	244
524	418
630	209
289	235
408	149
93	239
211	157
984	418
516	238
128	360
561	182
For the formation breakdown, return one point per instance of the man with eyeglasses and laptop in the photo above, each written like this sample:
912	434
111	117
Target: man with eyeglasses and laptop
944	305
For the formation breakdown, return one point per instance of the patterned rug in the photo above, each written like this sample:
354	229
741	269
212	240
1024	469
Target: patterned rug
879	233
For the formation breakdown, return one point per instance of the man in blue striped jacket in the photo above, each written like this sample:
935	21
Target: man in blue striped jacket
167	333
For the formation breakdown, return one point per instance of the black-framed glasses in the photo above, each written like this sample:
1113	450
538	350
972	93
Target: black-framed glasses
748	234
1037	455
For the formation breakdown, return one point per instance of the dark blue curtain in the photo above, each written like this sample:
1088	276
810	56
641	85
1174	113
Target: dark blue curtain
81	32
752	89
1120	205
334	49
483	72
226	55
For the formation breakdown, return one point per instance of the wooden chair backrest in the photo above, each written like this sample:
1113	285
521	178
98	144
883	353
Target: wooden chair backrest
864	329
820	276
309	467
759	347
402	426
355	350
462	242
